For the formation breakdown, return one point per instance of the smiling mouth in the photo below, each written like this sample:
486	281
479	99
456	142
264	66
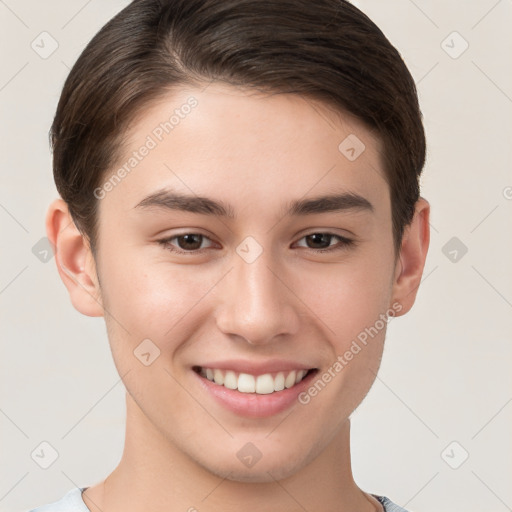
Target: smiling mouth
264	384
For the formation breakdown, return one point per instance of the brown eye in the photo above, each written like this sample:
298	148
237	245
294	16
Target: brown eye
189	242
318	240
322	242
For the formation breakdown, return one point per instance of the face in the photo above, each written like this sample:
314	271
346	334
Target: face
246	267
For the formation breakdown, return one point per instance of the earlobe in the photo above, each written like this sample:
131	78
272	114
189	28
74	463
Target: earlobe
411	261
74	259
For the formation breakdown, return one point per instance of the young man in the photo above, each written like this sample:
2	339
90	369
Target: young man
240	201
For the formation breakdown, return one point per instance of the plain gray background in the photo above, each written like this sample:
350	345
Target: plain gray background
444	389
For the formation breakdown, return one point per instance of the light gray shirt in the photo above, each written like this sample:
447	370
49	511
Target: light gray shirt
73	502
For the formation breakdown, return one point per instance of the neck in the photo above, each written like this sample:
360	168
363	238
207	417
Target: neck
154	474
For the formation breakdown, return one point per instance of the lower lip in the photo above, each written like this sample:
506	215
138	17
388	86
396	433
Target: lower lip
252	404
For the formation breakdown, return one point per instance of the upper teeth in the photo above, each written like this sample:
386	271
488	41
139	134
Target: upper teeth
246	383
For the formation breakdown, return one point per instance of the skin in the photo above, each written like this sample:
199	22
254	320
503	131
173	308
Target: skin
256	153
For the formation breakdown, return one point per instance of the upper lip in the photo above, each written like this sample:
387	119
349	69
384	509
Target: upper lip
254	367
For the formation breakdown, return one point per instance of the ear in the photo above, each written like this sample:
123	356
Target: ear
411	261
74	259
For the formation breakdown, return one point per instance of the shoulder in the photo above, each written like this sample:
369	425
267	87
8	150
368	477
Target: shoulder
71	502
388	505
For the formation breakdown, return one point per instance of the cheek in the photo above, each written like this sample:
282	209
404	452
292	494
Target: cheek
354	303
151	301
348	298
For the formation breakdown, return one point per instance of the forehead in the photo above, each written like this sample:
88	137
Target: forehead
246	149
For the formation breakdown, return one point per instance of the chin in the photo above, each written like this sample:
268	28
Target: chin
263	471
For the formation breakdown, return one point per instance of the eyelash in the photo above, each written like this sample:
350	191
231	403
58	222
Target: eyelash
344	243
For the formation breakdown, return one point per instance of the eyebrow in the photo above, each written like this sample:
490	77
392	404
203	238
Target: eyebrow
169	200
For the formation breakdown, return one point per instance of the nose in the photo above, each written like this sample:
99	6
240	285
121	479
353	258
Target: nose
257	302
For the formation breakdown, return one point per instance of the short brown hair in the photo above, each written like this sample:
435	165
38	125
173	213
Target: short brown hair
326	50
